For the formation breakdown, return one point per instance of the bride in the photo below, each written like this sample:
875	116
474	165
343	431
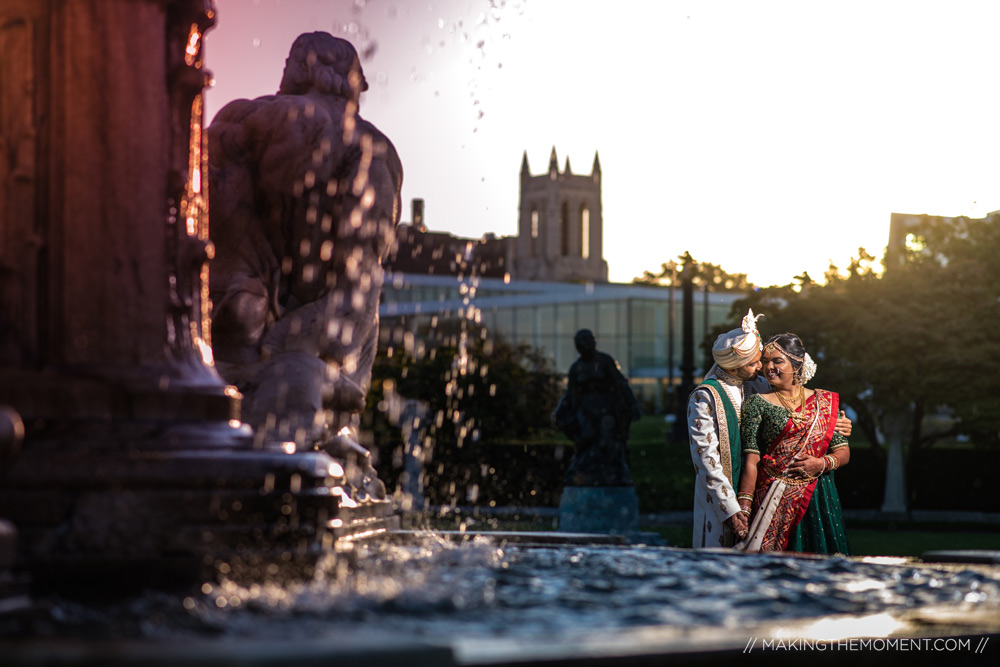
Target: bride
790	451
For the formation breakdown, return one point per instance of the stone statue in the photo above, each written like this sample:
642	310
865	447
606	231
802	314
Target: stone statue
305	199
596	413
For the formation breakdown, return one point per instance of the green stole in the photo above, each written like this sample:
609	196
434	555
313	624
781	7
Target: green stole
729	431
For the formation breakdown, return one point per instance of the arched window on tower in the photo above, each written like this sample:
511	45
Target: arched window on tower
534	232
584	232
564	229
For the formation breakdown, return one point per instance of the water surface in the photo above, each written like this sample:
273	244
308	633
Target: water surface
435	591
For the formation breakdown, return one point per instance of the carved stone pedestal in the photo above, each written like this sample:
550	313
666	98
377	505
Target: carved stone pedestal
599	509
177	507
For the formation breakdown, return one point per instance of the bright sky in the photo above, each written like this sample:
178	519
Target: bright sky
768	137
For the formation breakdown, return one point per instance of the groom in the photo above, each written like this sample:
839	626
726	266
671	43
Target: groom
714	434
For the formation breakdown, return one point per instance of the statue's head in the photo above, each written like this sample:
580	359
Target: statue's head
319	61
585	341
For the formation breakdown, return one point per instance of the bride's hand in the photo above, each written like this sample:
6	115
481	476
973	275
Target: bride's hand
806	466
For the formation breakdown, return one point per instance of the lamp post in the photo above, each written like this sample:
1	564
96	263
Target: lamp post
672	404
687	356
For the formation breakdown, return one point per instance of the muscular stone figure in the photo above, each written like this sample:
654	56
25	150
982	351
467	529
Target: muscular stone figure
304	206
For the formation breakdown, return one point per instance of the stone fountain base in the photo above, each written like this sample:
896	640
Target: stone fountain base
150	500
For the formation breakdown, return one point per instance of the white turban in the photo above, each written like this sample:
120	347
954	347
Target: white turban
738	347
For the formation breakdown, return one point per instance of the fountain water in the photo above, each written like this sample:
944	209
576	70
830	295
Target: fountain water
491	602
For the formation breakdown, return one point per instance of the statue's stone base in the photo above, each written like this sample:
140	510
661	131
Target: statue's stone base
599	509
150	509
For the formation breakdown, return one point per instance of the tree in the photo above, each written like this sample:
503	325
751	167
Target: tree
478	390
702	273
917	340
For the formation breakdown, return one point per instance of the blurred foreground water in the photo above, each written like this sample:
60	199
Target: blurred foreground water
431	590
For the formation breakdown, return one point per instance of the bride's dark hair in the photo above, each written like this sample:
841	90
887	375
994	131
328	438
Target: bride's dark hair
791	344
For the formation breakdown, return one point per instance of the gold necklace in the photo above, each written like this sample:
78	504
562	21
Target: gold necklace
790	404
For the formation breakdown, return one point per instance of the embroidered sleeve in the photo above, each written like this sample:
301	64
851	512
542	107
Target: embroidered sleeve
750	423
837	442
705	454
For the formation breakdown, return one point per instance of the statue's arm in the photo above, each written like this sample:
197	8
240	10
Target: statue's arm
244	266
624	390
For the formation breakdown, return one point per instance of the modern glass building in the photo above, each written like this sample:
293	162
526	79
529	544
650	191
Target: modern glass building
638	325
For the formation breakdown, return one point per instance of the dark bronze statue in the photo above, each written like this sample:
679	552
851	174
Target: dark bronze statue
596	413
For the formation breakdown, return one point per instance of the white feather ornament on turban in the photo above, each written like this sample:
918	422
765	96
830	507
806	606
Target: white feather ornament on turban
736	348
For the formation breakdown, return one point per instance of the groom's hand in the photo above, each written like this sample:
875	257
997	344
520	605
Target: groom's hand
738	524
843	426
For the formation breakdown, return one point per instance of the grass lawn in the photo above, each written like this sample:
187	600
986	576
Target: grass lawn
663	472
664	481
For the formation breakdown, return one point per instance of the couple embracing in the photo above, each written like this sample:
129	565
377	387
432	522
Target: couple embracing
765	447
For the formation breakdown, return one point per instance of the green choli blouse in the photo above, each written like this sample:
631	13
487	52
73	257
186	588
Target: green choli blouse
762	422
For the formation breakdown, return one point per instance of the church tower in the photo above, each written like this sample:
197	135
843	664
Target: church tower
560	228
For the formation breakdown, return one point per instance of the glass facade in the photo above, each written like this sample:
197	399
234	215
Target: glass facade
639	326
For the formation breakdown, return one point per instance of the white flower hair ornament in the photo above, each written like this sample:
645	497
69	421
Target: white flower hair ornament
807	370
